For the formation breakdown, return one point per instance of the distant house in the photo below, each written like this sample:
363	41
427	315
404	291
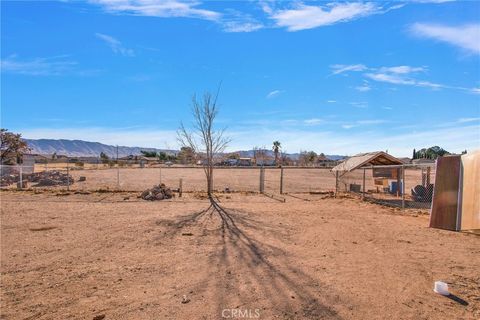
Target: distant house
266	162
142	160
323	161
88	159
244	162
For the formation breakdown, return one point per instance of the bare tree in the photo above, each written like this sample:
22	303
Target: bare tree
205	140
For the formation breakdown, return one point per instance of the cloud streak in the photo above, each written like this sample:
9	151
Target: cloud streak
302	17
465	37
115	45
158	8
273	94
400	75
51	66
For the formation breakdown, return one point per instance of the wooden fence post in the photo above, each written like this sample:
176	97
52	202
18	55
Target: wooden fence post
180	188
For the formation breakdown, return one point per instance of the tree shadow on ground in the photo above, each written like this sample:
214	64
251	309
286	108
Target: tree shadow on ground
248	273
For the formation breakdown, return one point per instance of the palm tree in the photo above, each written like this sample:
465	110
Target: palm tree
276	150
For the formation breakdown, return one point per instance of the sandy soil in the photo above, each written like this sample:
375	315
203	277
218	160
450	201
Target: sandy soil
85	256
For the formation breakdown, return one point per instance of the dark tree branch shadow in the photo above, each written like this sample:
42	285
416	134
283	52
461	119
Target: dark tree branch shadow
244	269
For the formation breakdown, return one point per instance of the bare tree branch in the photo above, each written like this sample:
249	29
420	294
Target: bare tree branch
205	141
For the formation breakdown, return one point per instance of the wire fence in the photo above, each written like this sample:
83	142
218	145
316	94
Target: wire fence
406	186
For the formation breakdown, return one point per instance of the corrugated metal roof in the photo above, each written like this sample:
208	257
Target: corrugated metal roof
367	159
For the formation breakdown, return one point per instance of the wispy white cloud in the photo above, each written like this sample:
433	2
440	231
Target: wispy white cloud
464	120
361	104
51	66
158	8
241	26
313	121
401	75
465	37
115	45
273	94
362	123
331	101
341	68
236	21
364	87
390	78
114	136
433	1
302	16
402	69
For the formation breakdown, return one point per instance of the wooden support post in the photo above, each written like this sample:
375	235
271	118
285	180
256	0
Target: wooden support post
363	187
399	179
403	187
281	180
336	183
180	188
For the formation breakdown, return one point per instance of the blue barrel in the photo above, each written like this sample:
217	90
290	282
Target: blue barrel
394	187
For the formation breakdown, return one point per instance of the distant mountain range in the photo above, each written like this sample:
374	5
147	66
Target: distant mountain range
80	148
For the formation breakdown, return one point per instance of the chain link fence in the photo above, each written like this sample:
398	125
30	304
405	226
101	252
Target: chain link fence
406	186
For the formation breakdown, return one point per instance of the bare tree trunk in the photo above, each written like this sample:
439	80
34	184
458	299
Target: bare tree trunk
204	140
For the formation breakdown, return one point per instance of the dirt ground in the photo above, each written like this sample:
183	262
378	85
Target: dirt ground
113	256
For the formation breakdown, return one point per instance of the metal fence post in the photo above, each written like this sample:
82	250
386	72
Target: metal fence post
68	178
118	171
262	179
21	177
281	180
403	187
363	188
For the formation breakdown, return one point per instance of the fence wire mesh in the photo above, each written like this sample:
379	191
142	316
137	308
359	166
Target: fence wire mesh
407	186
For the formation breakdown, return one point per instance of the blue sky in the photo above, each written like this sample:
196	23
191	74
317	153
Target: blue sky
333	77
